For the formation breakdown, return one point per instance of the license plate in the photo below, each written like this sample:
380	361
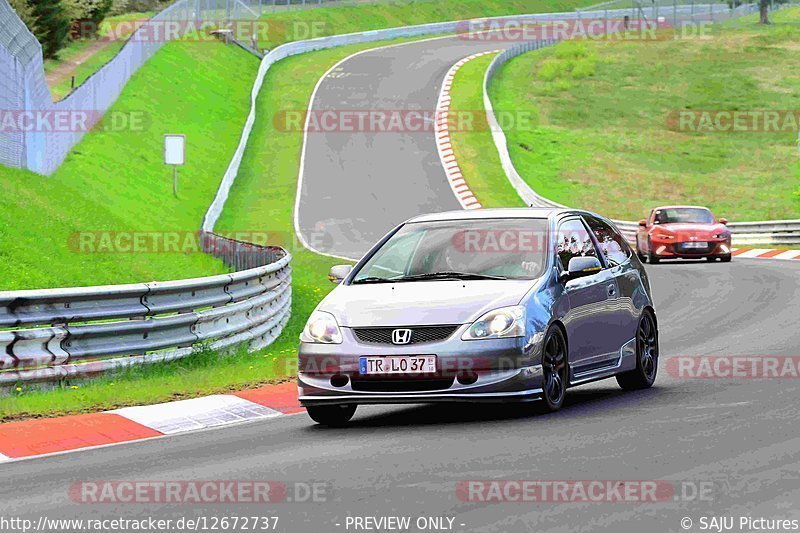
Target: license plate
393	364
695	245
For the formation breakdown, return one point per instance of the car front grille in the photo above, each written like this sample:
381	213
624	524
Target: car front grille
681	248
419	334
401	385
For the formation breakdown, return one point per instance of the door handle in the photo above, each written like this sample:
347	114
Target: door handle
612	290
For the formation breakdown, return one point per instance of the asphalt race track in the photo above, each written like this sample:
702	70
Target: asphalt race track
739	436
358	186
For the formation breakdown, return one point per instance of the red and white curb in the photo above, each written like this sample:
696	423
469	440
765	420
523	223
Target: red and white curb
198	413
31	438
765	253
443	143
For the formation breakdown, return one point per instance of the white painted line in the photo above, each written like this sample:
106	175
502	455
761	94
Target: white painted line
4	458
198	413
788	254
753	253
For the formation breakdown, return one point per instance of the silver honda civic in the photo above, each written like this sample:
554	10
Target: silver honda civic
481	305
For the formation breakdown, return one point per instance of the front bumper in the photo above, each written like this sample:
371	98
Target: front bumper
473	371
669	249
514	385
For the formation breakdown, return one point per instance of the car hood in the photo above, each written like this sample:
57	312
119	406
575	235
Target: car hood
421	302
699	230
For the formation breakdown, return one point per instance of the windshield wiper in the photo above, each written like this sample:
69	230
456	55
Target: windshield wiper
371	279
445	275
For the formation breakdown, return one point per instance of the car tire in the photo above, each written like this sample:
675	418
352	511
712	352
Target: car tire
331	415
555	370
644	375
711	259
639	253
652	258
725	258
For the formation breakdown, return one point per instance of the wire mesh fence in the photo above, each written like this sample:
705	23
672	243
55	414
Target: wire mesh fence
37	133
679	13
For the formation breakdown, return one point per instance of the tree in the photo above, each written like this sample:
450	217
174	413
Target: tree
86	14
52	25
100	10
764	10
25	13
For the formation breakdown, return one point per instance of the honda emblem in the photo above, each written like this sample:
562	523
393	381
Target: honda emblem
401	336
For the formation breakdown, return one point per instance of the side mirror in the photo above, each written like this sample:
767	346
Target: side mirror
338	273
723	221
580	267
643	223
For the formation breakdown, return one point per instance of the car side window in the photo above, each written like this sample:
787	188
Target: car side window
613	245
573	240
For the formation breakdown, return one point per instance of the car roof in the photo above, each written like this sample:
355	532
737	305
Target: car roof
482	214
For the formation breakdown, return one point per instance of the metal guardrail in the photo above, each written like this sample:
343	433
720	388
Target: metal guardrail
82	331
772	232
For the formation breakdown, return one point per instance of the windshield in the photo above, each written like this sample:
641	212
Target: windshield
690	215
460	249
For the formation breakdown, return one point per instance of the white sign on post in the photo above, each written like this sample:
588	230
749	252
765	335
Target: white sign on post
175	155
175	149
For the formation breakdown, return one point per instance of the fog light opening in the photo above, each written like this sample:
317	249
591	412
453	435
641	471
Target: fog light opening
339	380
467	378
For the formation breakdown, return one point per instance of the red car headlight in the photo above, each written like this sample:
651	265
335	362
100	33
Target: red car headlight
663	236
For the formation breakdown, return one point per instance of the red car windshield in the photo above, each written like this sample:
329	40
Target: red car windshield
684	215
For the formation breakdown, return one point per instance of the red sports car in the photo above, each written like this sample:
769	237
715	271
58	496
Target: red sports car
683	232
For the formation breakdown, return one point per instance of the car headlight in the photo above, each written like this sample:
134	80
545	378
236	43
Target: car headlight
498	324
724	235
321	328
665	236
